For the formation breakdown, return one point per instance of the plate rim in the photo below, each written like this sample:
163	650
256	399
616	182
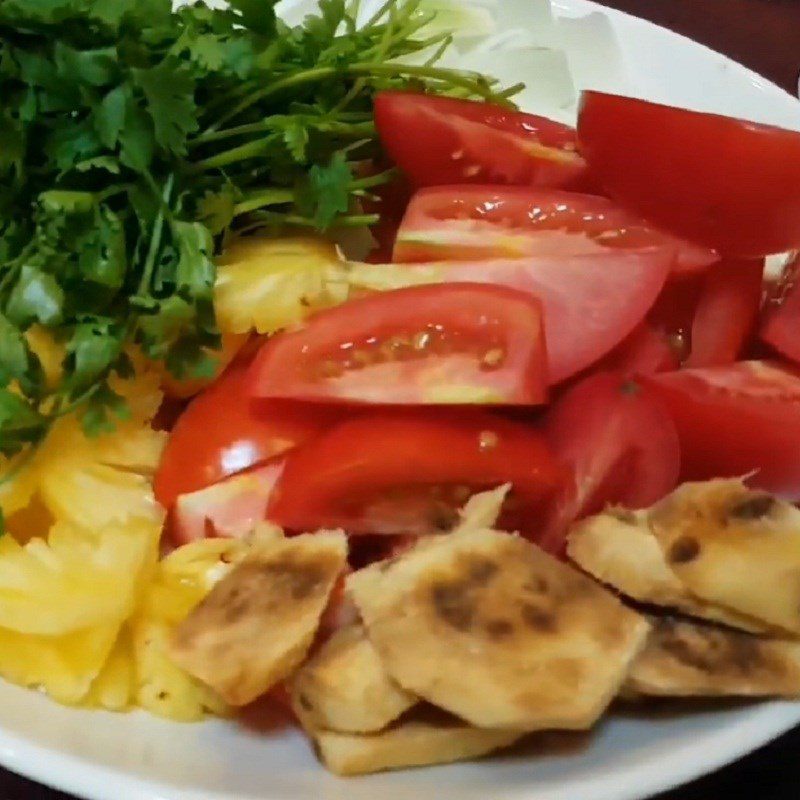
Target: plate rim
90	780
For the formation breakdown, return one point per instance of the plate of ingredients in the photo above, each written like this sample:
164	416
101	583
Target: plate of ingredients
396	399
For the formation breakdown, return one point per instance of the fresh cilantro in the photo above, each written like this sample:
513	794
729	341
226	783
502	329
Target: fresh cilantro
134	138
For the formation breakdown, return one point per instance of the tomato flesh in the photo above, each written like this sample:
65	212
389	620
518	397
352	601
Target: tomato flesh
440	140
737	420
465	343
620	445
726	313
230	508
648	349
407	473
724	183
781	326
591	303
465	222
223	431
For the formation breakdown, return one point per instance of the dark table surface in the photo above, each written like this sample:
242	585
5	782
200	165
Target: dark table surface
764	35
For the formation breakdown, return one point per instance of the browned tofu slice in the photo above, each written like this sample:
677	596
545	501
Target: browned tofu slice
687	659
410	743
619	549
256	625
345	687
492	629
733	547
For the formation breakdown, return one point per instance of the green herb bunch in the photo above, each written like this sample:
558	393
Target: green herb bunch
135	137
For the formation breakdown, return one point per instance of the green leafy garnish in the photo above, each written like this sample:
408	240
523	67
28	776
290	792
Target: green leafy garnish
135	137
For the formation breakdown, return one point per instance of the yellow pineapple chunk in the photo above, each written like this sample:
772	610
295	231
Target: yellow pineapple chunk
269	284
93	481
63	666
75	579
113	688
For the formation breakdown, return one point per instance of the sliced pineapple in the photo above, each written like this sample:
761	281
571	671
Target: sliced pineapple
113	688
94	481
63	666
75	579
49	352
269	284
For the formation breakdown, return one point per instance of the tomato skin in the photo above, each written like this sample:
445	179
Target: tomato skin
346	477
648	349
727	312
230	508
442	140
724	183
438	338
781	326
459	223
737	420
223	431
620	445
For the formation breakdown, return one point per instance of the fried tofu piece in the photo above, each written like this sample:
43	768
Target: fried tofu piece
492	629
410	743
344	687
733	547
688	659
256	625
619	549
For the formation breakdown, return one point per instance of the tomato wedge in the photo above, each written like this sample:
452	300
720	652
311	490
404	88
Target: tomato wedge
620	445
648	349
781	327
407	473
725	183
441	140
230	508
726	313
463	222
591	303
737	420
223	432
466	343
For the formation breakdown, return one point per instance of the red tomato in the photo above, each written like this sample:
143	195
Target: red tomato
393	473
223	431
620	444
781	328
441	140
647	349
464	222
230	508
591	303
722	182
726	312
422	345
737	420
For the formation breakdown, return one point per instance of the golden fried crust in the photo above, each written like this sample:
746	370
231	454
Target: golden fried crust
411	743
257	624
619	549
492	629
685	659
344	687
734	548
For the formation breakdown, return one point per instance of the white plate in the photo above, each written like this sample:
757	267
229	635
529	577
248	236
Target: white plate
137	757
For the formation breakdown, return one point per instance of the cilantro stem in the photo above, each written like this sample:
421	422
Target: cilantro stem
263	218
155	241
473	81
364	127
239	153
269	197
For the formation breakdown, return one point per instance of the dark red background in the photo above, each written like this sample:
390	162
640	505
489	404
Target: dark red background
764	35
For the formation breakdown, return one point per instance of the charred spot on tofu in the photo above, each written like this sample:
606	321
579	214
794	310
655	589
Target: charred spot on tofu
753	508
684	550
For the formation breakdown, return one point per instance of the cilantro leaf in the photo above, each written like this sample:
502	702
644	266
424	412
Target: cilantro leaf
169	91
14	361
20	423
91	352
326	194
109	115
